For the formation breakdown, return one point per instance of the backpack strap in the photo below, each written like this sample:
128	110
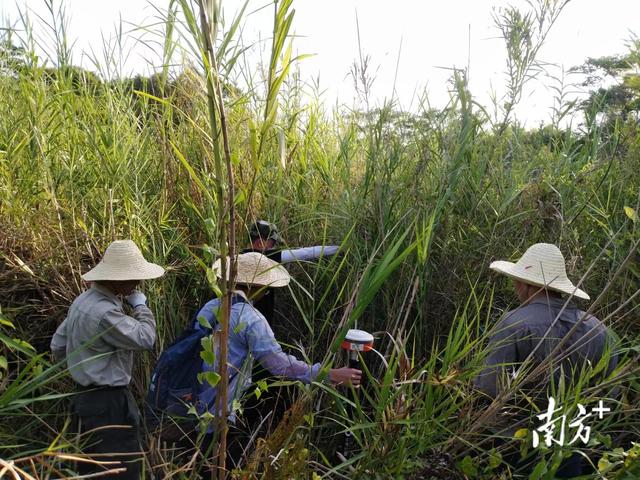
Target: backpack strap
235	299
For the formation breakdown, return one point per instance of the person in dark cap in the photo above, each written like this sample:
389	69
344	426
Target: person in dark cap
264	236
265	239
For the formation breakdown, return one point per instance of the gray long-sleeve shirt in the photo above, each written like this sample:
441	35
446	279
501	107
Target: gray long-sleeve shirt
520	330
98	339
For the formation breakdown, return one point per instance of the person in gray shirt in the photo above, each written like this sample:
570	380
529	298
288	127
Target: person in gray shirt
97	340
534	330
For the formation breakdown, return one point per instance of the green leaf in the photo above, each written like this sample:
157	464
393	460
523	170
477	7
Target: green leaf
3	363
495	459
207	344
467	467
4	321
632	214
24	344
541	469
253	142
152	97
604	465
207	416
208	353
210	225
212	378
213	252
240	327
208	356
309	419
192	173
202	320
522	433
241	197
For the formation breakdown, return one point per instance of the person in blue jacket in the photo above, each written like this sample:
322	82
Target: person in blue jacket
265	238
251	338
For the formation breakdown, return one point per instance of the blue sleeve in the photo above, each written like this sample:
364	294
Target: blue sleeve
257	331
209	312
266	349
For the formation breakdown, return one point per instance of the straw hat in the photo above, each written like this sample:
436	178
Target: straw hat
256	269
123	261
541	265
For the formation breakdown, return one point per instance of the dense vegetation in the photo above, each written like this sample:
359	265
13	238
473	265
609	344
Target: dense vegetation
420	201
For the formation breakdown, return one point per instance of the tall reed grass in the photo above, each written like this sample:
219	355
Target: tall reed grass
420	203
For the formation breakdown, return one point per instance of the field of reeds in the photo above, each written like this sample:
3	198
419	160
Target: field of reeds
421	203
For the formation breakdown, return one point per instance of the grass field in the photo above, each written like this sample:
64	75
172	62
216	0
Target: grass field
421	203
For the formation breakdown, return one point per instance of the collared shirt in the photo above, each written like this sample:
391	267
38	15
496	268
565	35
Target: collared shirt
250	337
520	330
98	339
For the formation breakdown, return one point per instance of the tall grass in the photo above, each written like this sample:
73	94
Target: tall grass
421	203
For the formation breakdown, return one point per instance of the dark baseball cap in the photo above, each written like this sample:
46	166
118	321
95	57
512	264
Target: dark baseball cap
264	230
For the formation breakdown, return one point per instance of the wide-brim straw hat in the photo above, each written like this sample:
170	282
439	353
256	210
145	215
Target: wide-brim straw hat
123	261
256	269
541	265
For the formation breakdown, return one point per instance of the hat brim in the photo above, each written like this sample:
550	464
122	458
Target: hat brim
102	272
272	276
276	238
510	270
273	236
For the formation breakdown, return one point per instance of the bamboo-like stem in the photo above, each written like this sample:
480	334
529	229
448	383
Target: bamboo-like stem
226	219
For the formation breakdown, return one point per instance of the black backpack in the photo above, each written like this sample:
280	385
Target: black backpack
174	384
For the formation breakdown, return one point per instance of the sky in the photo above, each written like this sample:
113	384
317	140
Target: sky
412	45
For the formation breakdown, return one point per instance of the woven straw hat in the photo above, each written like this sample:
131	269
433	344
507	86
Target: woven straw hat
256	269
541	265
123	261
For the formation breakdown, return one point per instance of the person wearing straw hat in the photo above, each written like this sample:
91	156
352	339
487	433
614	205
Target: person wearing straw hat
97	340
251	337
265	239
537	327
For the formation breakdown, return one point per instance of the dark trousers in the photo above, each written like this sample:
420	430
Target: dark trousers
108	421
571	467
266	411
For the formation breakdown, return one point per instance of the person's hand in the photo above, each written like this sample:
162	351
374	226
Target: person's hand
345	376
136	298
